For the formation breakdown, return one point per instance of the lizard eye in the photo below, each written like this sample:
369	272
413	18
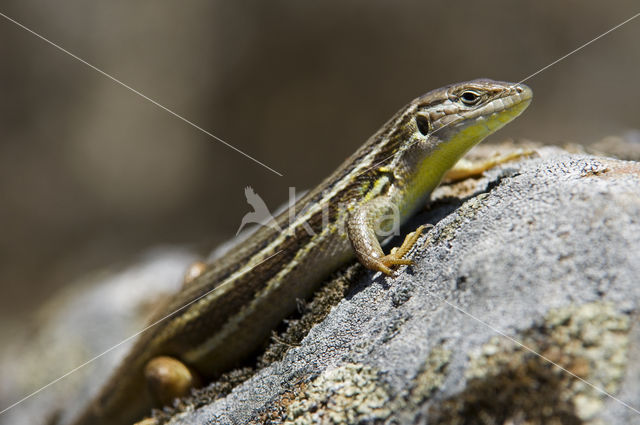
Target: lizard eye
470	97
423	124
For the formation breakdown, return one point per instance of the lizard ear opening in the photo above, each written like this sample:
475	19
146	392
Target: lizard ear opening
423	124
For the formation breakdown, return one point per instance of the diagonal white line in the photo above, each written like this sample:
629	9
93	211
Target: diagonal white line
130	337
114	79
580	48
498	331
521	81
232	147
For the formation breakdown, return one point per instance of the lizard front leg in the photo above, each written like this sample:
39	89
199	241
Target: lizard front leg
366	223
466	168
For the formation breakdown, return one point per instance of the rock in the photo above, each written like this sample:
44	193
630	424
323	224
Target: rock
86	319
621	147
520	309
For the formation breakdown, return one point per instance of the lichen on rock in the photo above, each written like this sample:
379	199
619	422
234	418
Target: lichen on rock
556	374
351	394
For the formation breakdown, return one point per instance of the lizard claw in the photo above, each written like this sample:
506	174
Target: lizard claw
397	254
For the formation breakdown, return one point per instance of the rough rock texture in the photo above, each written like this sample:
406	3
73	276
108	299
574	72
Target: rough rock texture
521	309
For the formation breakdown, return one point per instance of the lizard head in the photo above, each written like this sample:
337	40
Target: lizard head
435	130
438	128
470	110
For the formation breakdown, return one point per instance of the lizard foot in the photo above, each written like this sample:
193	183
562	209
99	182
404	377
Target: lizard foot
396	256
168	378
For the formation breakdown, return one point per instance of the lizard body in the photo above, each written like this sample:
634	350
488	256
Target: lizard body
233	305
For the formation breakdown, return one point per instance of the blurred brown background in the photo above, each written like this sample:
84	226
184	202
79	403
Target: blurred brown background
92	175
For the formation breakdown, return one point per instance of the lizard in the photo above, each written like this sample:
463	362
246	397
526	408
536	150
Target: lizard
229	307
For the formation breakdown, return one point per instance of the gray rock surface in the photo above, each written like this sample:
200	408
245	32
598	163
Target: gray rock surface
541	256
521	309
88	318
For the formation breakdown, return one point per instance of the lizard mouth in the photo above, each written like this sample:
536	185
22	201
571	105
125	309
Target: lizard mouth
497	112
471	126
507	105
